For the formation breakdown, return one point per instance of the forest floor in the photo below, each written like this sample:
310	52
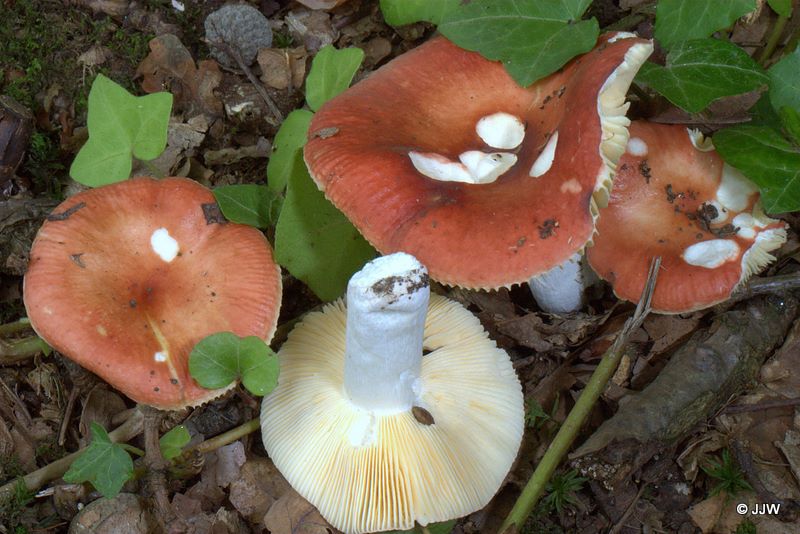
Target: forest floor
686	478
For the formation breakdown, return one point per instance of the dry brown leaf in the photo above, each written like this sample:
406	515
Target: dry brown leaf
226	156
283	68
124	513
292	514
170	66
312	28
259	485
101	406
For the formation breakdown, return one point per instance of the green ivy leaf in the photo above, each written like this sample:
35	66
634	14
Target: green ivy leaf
105	464
532	38
790	120
173	442
768	159
784	82
682	20
331	73
400	12
120	126
315	241
698	72
781	7
221	358
434	528
250	204
290	138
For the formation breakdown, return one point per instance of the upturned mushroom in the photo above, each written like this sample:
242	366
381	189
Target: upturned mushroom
442	155
675	198
395	407
127	278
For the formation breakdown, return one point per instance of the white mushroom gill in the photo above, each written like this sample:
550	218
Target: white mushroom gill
501	130
164	245
386	305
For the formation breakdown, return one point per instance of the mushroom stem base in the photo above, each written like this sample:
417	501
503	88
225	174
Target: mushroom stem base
560	290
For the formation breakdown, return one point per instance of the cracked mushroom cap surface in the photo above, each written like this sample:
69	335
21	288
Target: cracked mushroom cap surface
367	472
125	279
674	197
442	155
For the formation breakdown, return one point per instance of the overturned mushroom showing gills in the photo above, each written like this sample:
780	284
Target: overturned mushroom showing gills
675	198
486	182
377	435
127	278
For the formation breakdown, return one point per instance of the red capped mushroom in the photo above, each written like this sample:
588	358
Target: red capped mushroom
442	155
675	198
127	278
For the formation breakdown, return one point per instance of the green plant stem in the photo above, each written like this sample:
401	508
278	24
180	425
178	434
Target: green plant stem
773	40
793	40
17	326
152	169
35	480
133	450
577	416
12	352
227	437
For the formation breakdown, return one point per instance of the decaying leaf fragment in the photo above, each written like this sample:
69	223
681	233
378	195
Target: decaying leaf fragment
170	66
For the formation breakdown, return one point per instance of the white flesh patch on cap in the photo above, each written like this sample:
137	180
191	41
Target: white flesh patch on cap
700	141
501	130
571	186
101	330
712	253
486	168
621	35
735	189
636	147
546	157
476	167
164	245
160	356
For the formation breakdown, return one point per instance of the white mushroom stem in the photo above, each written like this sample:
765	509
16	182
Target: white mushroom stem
386	306
560	290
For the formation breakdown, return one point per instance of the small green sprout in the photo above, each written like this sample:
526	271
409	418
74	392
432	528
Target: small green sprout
727	475
561	491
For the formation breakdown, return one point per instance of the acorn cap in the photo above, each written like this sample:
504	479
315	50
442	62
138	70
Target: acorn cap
442	155
125	279
440	460
674	197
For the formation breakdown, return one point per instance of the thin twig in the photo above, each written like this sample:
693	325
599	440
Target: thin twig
17	326
234	53
762	286
774	39
628	511
743	408
155	479
577	416
62	432
226	438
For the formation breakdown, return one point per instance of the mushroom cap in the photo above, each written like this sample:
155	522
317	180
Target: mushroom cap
98	290
407	471
674	197
429	101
